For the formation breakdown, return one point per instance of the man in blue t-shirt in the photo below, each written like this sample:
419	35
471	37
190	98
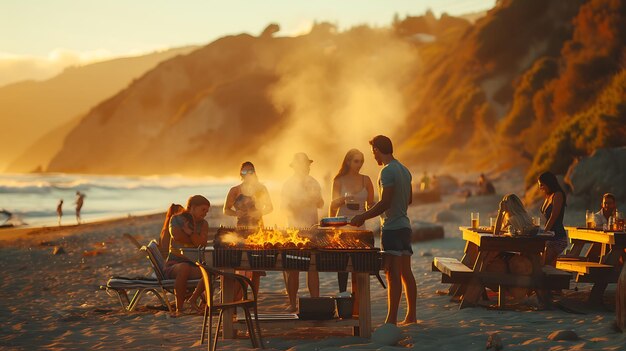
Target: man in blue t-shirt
394	187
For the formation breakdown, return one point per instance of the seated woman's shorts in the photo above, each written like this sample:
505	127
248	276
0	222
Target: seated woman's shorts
397	242
169	267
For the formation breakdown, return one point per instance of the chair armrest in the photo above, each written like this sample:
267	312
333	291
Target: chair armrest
242	280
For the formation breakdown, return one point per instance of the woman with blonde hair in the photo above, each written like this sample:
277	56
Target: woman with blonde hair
165	238
188	229
352	194
512	214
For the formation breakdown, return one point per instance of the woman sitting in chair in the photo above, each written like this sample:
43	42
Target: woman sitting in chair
188	229
513	215
165	238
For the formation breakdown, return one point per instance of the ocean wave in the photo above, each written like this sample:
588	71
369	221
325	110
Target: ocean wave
54	182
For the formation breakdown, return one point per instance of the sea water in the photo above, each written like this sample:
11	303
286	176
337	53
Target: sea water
33	198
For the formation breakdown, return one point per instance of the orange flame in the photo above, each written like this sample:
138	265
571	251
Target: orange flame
274	238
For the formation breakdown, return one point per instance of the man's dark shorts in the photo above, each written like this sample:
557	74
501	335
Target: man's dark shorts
397	242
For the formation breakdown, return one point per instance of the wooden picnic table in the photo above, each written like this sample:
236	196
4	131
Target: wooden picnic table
470	276
362	325
595	258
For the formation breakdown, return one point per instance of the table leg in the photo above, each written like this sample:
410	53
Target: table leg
228	292
475	289
543	295
577	248
593	254
469	259
365	308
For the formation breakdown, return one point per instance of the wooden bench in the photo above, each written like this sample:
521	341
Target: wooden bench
583	267
453	270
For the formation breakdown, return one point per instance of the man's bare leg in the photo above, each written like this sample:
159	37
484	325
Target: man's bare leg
393	270
313	283
293	282
410	290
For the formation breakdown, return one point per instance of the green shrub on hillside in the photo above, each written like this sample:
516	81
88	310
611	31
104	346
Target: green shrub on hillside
521	115
602	125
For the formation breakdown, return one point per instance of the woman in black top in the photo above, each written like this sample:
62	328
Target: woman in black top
248	201
553	209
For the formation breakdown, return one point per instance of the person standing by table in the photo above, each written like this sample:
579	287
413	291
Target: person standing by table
301	199
553	209
394	185
249	202
609	207
352	194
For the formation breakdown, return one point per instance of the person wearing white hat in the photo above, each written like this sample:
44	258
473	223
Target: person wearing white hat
301	199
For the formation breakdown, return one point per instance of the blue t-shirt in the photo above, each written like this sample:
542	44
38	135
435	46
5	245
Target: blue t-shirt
396	175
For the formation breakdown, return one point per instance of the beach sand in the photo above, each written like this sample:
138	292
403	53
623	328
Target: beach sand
54	302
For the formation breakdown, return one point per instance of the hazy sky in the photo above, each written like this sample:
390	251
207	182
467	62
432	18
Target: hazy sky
39	36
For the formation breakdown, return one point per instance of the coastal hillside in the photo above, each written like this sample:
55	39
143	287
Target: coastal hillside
536	84
510	90
34	108
250	97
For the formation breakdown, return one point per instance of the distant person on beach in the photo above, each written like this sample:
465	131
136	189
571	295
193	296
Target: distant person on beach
394	186
249	202
513	215
485	186
165	238
188	229
425	182
301	199
352	194
553	209
609	207
60	211
80	199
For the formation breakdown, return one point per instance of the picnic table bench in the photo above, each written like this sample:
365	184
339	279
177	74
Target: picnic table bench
469	276
594	257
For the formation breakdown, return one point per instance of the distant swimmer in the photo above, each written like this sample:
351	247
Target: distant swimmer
60	210
80	199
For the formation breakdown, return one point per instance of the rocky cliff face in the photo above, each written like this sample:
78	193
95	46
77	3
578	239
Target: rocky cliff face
32	109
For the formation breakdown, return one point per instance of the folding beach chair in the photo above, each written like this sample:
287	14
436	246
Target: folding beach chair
209	276
159	285
122	286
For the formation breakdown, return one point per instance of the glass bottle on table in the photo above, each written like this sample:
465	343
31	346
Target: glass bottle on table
589	220
475	219
611	224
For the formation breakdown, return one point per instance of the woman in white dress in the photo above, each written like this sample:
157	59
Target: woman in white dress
352	194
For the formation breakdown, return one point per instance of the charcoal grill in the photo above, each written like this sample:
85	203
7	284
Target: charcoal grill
329	250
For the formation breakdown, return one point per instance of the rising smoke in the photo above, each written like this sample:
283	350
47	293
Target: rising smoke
338	91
